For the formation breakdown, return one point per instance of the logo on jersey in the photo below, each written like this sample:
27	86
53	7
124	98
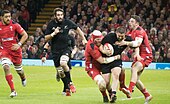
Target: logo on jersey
53	28
11	28
7	39
66	27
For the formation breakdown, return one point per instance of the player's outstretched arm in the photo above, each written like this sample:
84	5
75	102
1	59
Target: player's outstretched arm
136	43
106	60
80	32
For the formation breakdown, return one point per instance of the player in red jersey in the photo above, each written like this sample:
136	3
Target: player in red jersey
143	56
10	49
94	59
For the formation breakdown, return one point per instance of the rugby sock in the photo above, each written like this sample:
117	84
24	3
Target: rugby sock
145	92
122	80
114	92
9	79
65	82
68	76
21	74
103	93
131	86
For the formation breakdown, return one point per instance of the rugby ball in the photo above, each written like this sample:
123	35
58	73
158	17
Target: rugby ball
108	48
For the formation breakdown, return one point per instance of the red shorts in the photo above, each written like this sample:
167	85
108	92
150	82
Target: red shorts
146	60
14	56
93	72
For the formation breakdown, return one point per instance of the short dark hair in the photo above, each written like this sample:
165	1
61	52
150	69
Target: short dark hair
121	30
3	12
57	9
137	18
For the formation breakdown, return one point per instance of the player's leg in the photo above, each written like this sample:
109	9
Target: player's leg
57	76
20	71
64	80
102	87
137	67
95	74
64	59
6	62
122	79
17	61
106	77
142	88
115	81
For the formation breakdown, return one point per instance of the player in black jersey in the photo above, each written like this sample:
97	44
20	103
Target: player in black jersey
114	68
57	32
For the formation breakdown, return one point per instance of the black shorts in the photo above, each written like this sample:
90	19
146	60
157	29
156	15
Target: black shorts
106	68
56	57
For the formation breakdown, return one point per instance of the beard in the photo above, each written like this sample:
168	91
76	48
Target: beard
59	20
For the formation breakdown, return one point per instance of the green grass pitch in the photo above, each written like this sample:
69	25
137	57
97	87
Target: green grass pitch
42	88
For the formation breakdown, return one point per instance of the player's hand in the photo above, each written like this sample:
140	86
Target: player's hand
57	30
107	52
138	57
121	43
84	42
118	57
43	59
15	47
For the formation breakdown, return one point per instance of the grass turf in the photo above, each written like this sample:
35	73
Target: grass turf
42	88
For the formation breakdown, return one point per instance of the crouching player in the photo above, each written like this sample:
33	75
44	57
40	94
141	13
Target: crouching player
94	59
114	68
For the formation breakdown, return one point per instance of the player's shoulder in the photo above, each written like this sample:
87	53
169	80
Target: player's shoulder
67	20
138	28
128	38
111	33
51	22
14	23
90	45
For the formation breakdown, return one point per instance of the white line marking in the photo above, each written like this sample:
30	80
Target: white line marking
137	97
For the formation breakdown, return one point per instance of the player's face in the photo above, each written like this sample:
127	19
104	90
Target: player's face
6	18
59	16
97	41
132	23
120	36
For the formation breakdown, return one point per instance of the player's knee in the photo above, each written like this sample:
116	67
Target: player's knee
6	63
64	60
116	76
101	82
18	68
102	85
60	72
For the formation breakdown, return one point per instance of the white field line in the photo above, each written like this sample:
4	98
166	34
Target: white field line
137	97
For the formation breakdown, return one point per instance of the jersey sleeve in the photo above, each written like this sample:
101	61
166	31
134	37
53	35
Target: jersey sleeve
73	25
106	39
139	33
95	53
73	43
49	29
128	38
19	29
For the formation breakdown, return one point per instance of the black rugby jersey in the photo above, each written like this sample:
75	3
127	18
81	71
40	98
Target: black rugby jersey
111	38
61	41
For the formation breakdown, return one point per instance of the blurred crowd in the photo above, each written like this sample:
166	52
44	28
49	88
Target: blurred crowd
104	15
23	11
